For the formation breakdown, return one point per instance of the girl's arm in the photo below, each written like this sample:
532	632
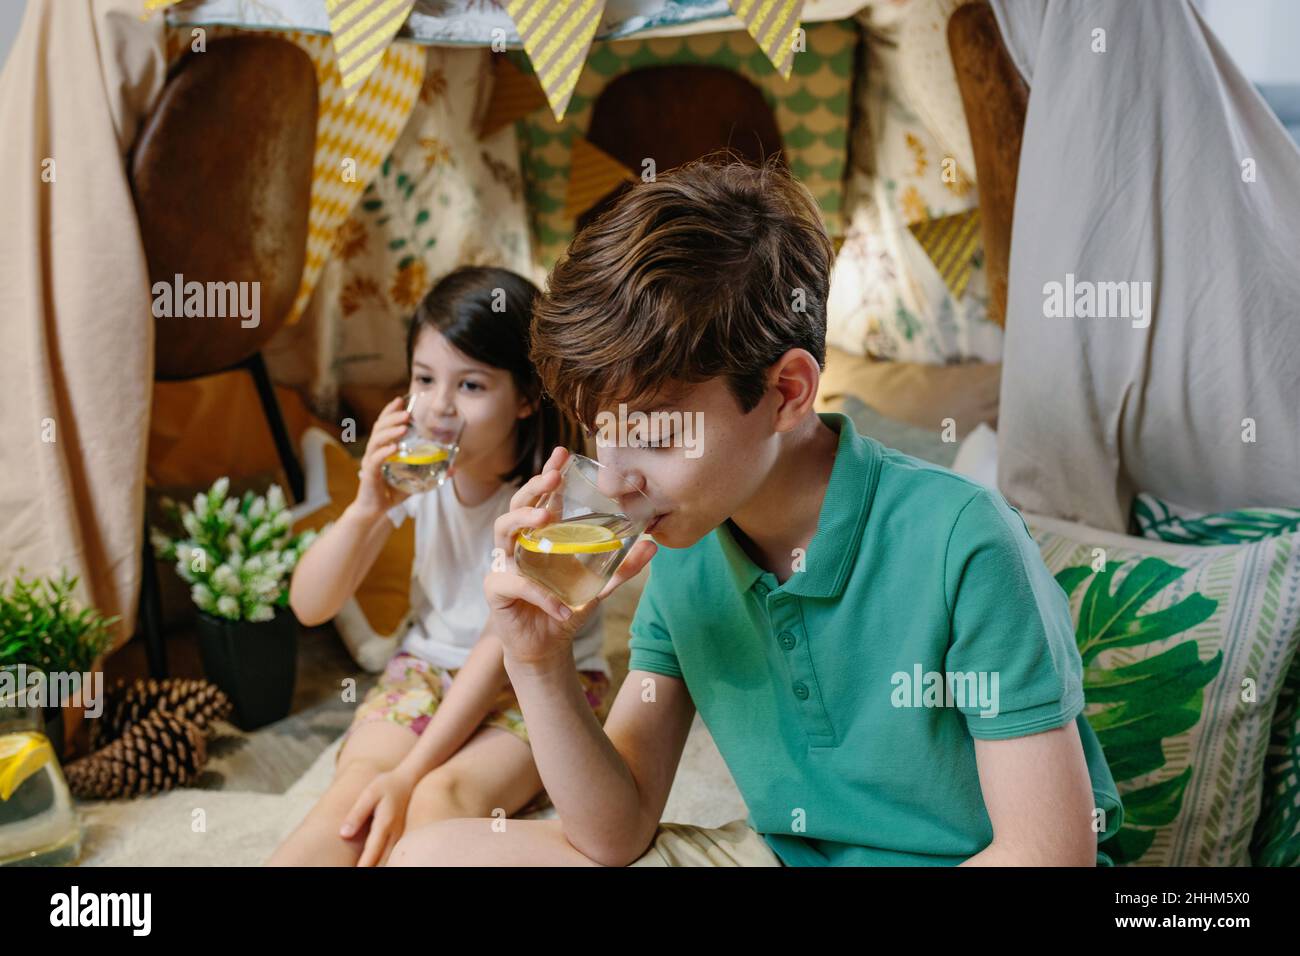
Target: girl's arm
470	698
330	570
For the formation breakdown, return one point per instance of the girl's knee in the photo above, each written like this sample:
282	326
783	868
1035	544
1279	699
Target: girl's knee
431	844
442	795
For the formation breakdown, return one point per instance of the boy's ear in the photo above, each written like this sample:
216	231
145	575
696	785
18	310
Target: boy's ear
527	407
796	376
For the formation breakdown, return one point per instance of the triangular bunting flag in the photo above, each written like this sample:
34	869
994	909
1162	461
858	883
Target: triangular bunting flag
557	35
592	174
951	243
514	96
362	31
772	24
150	6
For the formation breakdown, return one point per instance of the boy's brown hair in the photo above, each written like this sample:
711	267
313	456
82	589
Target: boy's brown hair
716	268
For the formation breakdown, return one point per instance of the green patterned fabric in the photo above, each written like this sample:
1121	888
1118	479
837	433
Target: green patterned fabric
1185	652
1276	841
811	111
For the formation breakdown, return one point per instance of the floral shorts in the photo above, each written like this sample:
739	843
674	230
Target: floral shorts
410	690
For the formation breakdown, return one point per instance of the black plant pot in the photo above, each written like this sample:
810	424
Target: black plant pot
255	664
54	727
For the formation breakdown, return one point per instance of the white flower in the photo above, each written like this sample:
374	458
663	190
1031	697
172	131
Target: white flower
265	588
161	543
230	508
183	571
253	565
275	499
258	510
228	607
261	612
241	523
201	504
202	596
261	535
225	580
233	545
283	520
191	524
220	487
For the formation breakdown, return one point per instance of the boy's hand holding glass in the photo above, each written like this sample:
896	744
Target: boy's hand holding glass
569	540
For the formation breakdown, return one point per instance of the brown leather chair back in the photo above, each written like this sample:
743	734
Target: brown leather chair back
221	174
675	114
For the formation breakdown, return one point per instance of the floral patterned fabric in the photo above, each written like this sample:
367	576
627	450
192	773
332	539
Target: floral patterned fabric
410	690
887	298
442	199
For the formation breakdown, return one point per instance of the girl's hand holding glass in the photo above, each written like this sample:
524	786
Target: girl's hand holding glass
375	495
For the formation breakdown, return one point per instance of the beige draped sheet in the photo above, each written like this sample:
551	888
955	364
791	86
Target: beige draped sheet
76	336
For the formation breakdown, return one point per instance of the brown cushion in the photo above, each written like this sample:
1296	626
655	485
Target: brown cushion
221	174
921	395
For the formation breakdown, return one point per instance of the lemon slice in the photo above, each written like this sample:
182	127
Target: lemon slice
425	456
21	755
570	538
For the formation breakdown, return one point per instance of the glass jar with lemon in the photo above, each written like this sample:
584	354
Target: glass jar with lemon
38	823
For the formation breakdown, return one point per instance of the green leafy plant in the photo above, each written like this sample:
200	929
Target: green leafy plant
238	553
42	625
1227	527
1144	702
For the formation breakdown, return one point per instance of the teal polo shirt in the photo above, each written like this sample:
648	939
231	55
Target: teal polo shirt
846	701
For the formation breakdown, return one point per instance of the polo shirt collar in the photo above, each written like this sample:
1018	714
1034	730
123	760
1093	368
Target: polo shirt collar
838	539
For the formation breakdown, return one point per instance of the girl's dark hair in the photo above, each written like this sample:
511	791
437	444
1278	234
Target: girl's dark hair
461	307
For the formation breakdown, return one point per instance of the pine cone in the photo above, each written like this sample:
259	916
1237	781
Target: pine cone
194	700
158	753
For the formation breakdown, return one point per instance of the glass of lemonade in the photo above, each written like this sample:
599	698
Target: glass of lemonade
38	823
425	453
598	517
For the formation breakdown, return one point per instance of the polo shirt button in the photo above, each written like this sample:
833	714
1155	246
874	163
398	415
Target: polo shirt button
787	640
801	690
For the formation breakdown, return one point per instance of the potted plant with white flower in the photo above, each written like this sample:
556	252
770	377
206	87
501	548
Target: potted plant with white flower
237	556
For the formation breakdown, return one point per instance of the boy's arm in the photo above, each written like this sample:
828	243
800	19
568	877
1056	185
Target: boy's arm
609	786
1039	799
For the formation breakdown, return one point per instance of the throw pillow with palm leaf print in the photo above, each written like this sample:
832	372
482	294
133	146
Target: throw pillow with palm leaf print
1276	840
1185	649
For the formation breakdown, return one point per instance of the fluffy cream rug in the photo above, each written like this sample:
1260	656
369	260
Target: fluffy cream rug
193	827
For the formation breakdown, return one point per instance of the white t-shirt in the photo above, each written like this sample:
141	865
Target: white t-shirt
453	554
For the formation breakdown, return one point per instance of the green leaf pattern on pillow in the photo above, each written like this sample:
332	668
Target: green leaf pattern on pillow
1276	841
1145	702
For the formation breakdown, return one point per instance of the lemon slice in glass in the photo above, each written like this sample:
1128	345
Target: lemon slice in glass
21	755
420	456
570	538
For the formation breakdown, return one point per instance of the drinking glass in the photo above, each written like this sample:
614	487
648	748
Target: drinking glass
427	449
597	517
